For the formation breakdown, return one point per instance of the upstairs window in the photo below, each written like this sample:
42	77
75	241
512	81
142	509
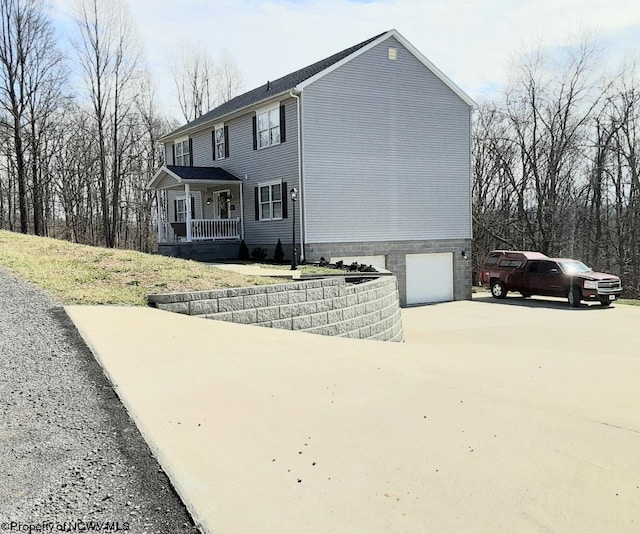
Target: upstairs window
220	139
269	127
182	155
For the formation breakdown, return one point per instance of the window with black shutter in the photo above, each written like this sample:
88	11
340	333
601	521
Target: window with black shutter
220	142
283	124
270	201
268	127
179	210
255	133
182	153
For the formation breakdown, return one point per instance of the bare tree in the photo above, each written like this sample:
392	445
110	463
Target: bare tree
109	55
29	80
229	78
194	73
624	169
548	109
45	79
202	83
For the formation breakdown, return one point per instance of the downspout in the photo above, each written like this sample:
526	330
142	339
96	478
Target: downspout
296	95
471	110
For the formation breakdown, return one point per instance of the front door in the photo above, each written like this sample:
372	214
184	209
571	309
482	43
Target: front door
221	201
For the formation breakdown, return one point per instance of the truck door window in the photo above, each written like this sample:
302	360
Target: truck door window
535	267
547	266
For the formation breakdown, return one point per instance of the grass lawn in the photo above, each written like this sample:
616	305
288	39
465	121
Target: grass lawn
81	274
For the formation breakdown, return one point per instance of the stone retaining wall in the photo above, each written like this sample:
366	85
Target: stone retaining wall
330	306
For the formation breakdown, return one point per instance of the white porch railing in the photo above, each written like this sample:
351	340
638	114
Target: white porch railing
215	229
201	230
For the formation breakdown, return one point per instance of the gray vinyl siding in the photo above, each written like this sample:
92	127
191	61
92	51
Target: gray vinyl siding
167	181
208	212
386	153
203	150
272	163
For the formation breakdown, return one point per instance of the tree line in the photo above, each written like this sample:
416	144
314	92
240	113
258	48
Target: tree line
556	162
79	131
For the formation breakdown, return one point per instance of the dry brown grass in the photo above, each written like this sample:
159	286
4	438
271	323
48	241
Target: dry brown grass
81	274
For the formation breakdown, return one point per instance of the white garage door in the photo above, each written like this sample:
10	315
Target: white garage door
429	278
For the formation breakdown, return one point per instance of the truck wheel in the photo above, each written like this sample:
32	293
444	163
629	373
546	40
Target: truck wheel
497	290
574	297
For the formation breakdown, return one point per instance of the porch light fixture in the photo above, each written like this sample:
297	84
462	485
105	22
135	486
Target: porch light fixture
294	197
209	201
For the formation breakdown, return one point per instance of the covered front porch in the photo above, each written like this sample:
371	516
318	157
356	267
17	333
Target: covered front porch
198	204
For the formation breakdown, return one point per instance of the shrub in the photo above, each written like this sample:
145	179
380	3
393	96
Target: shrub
244	251
356	267
259	254
323	262
278	255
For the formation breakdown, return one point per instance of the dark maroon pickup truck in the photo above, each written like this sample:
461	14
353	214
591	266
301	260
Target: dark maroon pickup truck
533	273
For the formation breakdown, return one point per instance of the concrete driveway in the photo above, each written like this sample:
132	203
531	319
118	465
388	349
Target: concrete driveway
539	352
513	416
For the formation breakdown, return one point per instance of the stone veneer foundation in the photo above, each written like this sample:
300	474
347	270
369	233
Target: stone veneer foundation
395	258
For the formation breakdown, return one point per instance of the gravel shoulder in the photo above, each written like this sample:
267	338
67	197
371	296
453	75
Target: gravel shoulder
68	450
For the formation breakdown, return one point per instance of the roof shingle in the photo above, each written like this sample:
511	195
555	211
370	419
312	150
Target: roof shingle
286	83
201	173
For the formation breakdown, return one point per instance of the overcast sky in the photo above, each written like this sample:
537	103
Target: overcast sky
471	41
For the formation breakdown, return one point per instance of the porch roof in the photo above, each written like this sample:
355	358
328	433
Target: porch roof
172	176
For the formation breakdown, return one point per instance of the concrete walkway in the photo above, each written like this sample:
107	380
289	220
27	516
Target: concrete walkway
491	418
257	270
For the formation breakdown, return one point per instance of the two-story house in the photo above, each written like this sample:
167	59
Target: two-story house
376	142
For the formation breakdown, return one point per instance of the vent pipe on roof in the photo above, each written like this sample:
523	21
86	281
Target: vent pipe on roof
268	85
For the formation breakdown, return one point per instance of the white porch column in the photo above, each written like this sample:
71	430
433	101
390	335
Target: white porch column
161	236
241	214
187	194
